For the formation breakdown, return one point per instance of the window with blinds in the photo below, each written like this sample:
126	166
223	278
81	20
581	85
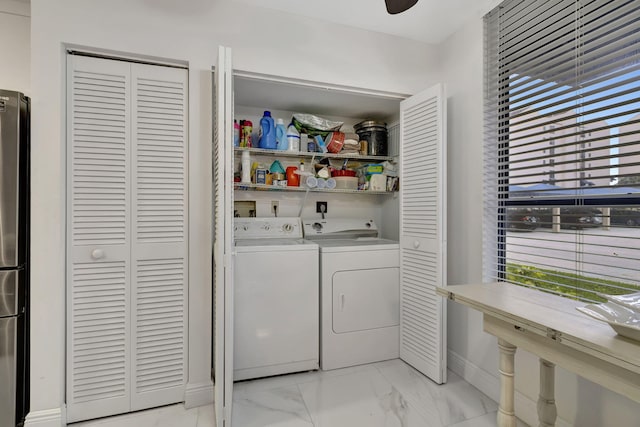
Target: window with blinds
562	146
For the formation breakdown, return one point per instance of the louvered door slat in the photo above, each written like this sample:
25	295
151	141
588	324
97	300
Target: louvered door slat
99	307
422	233
160	156
160	229
160	328
98	338
91	160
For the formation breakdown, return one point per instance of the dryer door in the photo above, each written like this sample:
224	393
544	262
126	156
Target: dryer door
365	299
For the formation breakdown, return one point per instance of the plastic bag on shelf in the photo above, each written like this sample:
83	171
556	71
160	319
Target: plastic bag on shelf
314	125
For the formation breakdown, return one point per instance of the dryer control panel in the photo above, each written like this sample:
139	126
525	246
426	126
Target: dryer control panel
339	228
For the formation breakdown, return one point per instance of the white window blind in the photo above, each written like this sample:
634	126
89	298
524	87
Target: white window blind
562	146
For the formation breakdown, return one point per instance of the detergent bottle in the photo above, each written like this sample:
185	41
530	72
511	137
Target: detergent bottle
293	138
267	132
281	135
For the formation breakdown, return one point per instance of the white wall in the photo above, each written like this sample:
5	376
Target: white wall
15	46
473	353
263	41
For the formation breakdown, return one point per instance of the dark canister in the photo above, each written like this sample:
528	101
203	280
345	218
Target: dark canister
375	133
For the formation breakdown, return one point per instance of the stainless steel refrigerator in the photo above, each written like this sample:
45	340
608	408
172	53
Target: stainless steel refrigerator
14	257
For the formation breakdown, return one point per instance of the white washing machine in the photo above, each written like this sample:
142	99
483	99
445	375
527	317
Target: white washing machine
359	292
276	307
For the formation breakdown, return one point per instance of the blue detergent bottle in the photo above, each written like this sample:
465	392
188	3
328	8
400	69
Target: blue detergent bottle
267	132
281	135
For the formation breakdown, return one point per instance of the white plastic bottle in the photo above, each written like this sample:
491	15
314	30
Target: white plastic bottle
281	135
293	138
246	167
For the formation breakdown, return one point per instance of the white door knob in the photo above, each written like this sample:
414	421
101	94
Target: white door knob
97	254
416	244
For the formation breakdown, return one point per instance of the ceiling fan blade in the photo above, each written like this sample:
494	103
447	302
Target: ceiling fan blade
399	6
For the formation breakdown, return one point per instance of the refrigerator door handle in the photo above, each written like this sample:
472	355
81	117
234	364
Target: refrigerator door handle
12	170
11	298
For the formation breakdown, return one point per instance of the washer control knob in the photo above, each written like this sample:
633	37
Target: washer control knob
317	226
245	228
287	228
267	227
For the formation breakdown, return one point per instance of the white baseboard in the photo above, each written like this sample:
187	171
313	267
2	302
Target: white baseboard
474	375
46	418
526	409
198	395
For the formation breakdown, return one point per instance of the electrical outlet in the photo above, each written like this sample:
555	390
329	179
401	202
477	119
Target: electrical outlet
320	205
274	206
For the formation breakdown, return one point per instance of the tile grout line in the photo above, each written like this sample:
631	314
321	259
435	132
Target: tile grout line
306	407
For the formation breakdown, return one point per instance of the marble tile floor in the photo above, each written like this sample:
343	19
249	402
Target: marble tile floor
385	394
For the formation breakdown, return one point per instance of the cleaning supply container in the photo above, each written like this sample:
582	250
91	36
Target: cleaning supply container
281	135
267	132
246	127
293	138
293	179
246	167
236	134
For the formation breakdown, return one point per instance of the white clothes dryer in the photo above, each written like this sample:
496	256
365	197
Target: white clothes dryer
276	306
359	292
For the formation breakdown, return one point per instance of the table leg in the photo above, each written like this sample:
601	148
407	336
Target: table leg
506	411
547	411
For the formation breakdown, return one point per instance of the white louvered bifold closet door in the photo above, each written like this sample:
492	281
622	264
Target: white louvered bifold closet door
99	238
126	274
223	239
423	233
159	230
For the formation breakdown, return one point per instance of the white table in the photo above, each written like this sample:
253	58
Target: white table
551	328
